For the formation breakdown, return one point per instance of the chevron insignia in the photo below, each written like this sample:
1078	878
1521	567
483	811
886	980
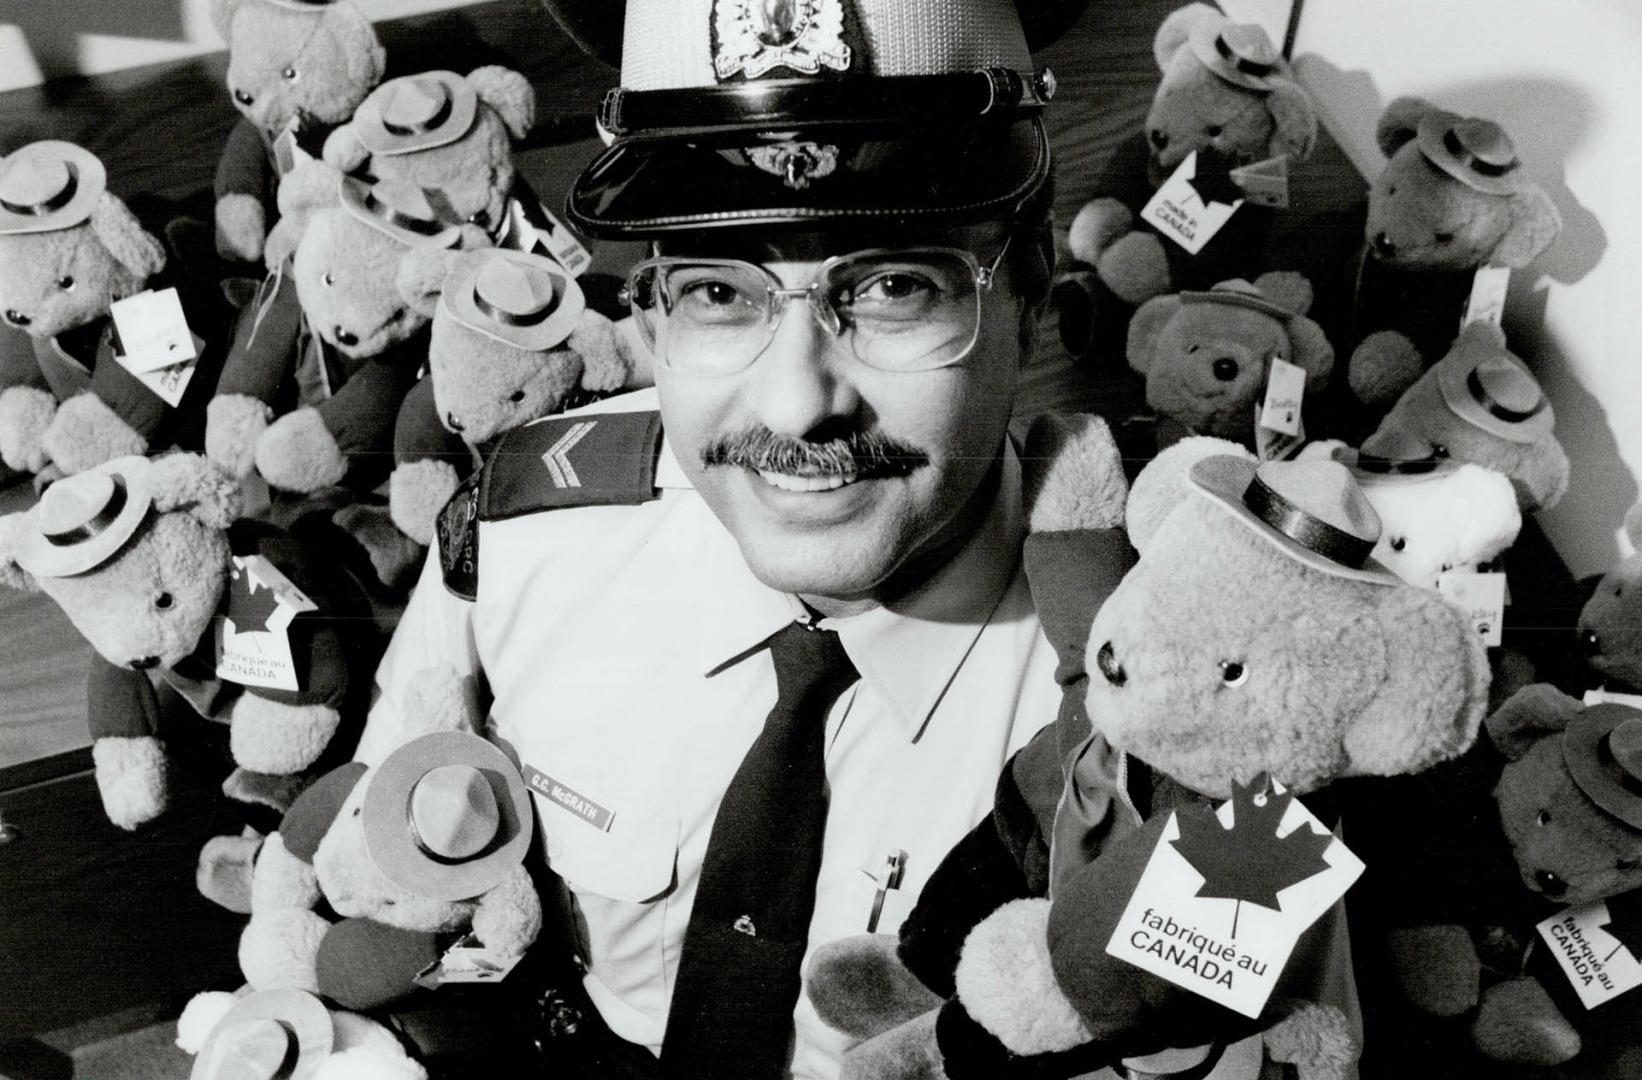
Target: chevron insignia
557	458
587	460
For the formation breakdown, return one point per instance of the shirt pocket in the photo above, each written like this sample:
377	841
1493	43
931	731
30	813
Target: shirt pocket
633	860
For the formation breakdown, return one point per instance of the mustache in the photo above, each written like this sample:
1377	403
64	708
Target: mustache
858	453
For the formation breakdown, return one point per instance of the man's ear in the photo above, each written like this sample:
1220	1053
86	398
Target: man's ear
131	245
1165	483
11	575
509	93
1433	686
1312	351
1294	119
1535	223
1177	30
1528	716
194	483
1146	326
422	274
1400	122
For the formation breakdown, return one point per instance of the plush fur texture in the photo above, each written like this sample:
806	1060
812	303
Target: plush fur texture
905	1052
369	1063
1316	1039
333	52
199	1016
1452	521
269	736
242	226
281	879
131	778
1610	624
1007	985
298	453
1206	364
86	432
1162	485
1538	470
25	415
473	174
223	874
417	491
509	916
277	948
394	557
859	986
1073	474
1520	1024
107	258
1382	366
233	424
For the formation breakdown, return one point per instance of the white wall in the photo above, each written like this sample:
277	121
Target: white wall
1565	79
40	39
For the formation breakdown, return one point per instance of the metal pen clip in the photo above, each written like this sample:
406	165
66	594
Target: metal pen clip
888	877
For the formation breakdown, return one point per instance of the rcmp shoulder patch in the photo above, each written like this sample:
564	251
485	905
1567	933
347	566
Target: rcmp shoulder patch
457	534
597	459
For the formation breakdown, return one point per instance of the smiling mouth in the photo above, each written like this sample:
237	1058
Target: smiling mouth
818	482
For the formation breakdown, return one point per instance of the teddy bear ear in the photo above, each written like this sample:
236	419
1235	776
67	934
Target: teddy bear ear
222	16
606	363
1165	483
1072	473
131	245
1535	223
312	185
194	483
1543	475
1528	716
1178	27
366	59
509	93
1294	116
343	150
422	274
1400	122
1145	327
1288	289
1433	686
1312	351
13	576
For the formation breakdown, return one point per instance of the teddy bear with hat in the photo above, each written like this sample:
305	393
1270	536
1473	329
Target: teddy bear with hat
1228	95
1254	637
1453	197
296	69
1207	355
69	250
194	614
419	852
287	1035
1610	623
1480	404
513	340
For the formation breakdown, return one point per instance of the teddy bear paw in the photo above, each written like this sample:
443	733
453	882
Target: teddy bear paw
1098	224
373	1062
393	555
1384	365
200	1016
271	737
417	491
241	227
1007	983
906	1052
131	778
276	791
233	424
280	880
1135	267
25	415
859	986
279	949
509	916
86	432
225	869
298	453
1315	1039
1437	968
1519	1024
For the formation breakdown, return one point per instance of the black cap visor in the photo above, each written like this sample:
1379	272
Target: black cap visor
654	185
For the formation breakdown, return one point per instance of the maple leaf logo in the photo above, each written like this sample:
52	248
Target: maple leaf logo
1625	923
250	603
1249	862
1213	182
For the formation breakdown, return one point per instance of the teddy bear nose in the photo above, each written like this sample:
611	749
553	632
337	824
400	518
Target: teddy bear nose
16	318
143	663
453	423
1383	245
243	98
1110	669
343	337
1591	643
1225	369
1549	883
1158	137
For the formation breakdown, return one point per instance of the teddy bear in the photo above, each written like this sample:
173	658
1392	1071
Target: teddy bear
513	339
294	66
411	854
1182	670
1610	624
69	249
1452	197
1480	404
319	365
182	603
1226	94
267	1032
1564	831
1207	355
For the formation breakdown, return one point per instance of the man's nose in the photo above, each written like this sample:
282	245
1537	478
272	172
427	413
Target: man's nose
801	379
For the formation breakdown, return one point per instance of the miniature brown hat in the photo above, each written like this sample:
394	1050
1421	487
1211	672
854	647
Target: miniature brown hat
82	520
1240	53
1482	385
1239	293
1476	152
416	112
517	298
268	1035
446	816
1311	510
400	209
49	185
1602	748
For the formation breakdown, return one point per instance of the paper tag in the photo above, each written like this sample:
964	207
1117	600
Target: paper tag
1184	213
152	331
253	645
1265	183
1480	596
467	961
1285	386
1591	948
170	383
599	816
1225	896
1612	697
556	241
1487	300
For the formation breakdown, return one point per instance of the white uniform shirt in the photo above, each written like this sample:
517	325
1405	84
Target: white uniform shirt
620	647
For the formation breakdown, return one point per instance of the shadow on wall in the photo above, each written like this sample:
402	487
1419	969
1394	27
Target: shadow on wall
52	28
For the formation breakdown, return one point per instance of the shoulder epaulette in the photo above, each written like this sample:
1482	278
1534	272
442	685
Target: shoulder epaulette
598	459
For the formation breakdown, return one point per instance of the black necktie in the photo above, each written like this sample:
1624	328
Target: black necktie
738	975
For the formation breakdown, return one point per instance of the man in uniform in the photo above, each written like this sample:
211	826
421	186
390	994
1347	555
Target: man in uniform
759	637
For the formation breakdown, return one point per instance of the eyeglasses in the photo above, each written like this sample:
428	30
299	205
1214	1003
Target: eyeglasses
896	309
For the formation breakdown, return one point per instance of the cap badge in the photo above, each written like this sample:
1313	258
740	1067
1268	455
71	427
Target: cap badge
797	162
753	37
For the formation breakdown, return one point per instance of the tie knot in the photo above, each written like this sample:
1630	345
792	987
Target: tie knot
811	667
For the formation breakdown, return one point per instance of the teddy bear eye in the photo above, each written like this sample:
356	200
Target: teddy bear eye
289	73
1233	674
480	218
1214	130
163	601
517	396
1398	543
328	279
1543	818
1392	190
66	283
1627	864
1439	451
1445	238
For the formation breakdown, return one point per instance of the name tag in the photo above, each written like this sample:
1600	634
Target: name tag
1592	946
153	332
569	799
1190	211
253	645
